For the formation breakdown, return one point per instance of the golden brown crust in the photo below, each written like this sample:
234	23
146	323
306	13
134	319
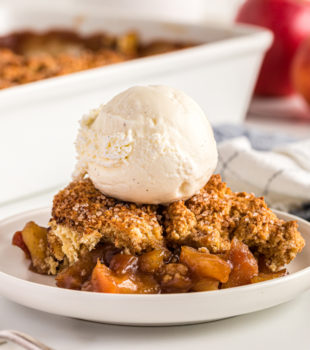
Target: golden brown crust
215	215
203	220
16	69
82	217
84	210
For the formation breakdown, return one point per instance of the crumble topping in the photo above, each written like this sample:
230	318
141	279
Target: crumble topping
82	217
215	215
92	217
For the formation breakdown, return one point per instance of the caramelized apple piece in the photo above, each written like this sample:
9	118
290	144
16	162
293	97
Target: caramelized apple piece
124	263
147	284
75	275
244	264
19	242
153	261
35	239
205	264
104	280
263	276
204	284
174	278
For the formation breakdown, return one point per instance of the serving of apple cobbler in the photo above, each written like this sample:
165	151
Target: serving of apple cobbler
216	239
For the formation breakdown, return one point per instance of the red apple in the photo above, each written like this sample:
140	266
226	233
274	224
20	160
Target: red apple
301	70
289	20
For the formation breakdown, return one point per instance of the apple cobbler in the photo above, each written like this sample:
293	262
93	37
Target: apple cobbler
29	56
216	239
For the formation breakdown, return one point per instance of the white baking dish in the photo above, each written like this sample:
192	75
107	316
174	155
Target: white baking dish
38	121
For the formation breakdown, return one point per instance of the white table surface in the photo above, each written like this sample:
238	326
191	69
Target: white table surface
283	327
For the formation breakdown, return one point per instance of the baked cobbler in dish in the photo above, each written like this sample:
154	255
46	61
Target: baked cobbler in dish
31	56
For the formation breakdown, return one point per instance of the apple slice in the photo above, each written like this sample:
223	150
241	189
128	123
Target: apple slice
204	264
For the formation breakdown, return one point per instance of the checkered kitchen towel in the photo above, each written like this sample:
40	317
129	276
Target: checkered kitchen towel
274	166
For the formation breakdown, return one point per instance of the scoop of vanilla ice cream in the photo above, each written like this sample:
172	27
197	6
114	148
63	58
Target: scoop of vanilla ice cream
149	144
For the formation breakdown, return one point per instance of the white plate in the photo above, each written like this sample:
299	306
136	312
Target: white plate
39	292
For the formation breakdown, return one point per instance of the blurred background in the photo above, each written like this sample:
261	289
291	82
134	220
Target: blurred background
179	10
253	82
